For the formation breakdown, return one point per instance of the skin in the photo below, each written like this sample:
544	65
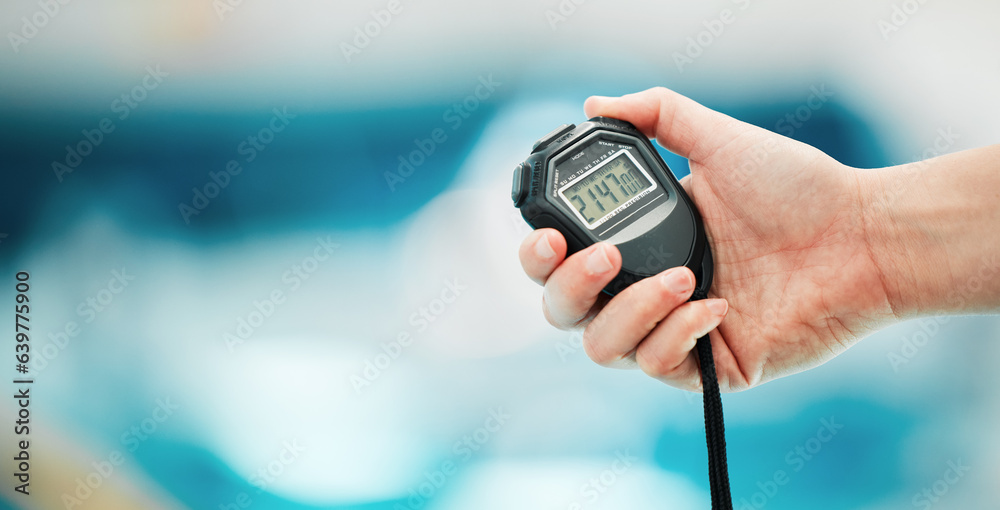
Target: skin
810	255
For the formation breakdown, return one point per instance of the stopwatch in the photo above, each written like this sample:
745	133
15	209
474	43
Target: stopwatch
604	181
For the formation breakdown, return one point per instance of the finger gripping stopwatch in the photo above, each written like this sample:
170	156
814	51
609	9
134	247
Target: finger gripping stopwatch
604	181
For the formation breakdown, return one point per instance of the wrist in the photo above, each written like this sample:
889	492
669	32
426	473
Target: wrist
890	235
930	229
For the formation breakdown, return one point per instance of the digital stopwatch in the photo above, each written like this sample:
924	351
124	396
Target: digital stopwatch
604	181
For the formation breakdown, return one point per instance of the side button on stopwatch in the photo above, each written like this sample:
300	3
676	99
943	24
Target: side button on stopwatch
518	191
547	139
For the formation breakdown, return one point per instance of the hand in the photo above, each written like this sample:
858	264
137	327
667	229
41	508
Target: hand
792	261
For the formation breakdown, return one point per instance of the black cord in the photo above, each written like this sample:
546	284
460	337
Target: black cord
715	428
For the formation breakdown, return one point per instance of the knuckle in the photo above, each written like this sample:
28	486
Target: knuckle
652	362
555	315
592	345
548	317
649	300
545	306
662	92
689	319
577	287
553	298
665	297
692	384
547	313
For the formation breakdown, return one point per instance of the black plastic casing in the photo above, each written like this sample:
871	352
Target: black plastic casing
650	237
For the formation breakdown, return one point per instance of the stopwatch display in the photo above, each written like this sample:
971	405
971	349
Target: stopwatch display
607	189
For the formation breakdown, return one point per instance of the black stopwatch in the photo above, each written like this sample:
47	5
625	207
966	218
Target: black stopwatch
604	181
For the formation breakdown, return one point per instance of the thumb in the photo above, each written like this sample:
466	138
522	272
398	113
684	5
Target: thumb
678	123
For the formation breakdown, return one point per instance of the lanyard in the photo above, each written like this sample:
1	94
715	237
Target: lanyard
715	428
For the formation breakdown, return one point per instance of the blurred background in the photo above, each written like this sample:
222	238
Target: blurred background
260	280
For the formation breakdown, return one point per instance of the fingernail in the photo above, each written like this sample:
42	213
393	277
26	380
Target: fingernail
543	248
677	281
717	306
598	261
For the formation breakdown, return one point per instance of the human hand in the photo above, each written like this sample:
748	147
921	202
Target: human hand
787	227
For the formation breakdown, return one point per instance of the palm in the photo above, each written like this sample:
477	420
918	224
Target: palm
790	256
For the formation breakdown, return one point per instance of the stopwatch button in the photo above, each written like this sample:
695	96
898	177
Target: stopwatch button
547	139
518	190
